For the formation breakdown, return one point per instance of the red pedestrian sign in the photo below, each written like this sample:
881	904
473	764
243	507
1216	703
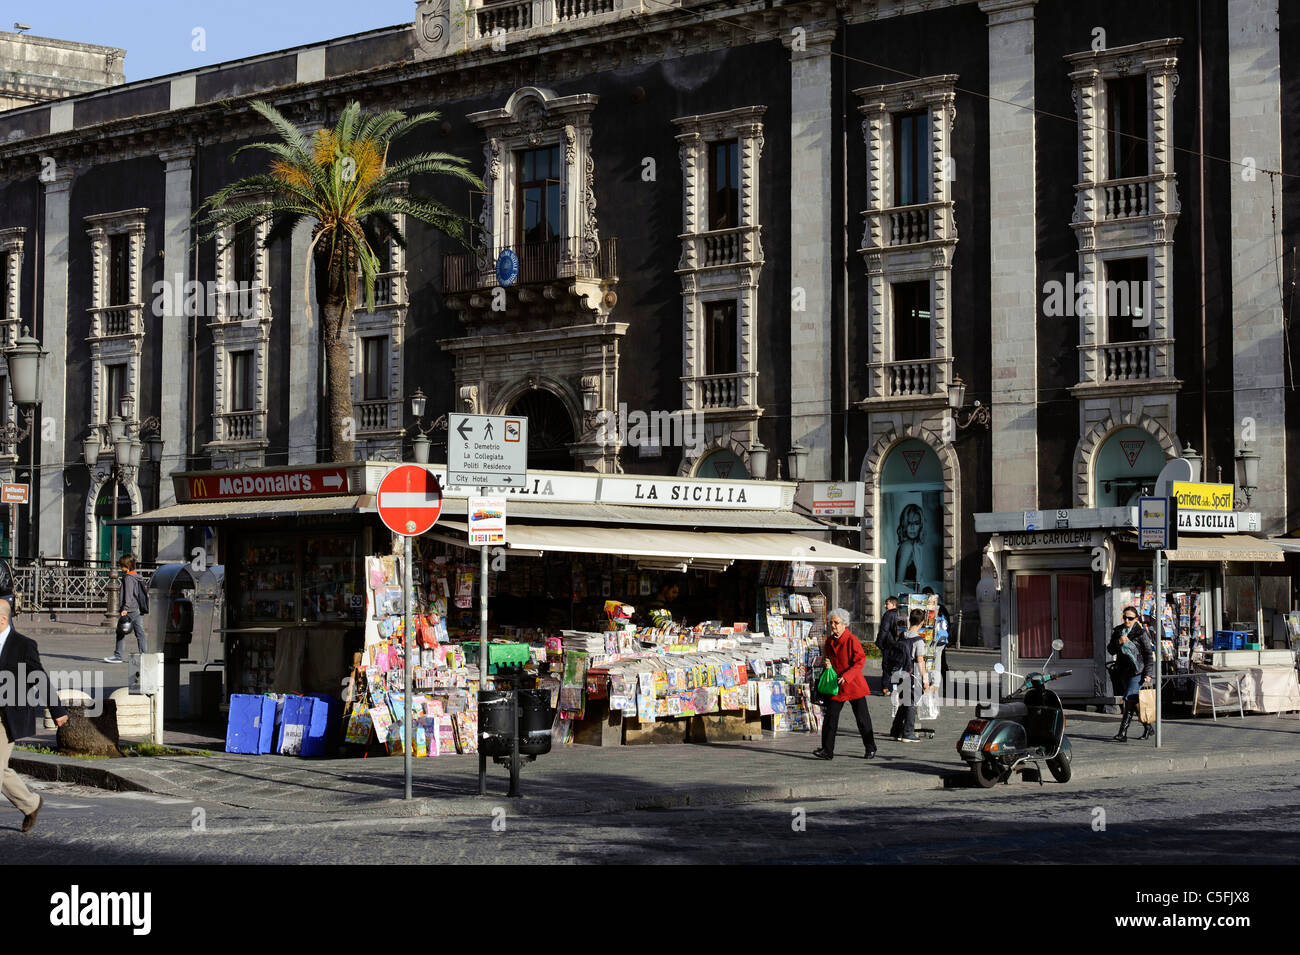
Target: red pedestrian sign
409	500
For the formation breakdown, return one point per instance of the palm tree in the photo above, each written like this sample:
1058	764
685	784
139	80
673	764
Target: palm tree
341	179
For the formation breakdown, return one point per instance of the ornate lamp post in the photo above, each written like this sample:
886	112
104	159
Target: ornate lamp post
25	358
420	443
126	449
979	414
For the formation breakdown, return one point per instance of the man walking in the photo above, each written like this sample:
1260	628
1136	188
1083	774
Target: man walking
21	699
135	601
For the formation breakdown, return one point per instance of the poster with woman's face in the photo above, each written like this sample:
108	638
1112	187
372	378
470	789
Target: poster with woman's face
911	532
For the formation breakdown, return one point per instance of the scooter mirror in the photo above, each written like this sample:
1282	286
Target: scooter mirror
1058	645
999	668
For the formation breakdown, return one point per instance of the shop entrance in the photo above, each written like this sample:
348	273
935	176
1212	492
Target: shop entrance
1049	606
911	519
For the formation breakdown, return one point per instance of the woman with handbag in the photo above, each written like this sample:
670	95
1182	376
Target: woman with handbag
844	657
1135	659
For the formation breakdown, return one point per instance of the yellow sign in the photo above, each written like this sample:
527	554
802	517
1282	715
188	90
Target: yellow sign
1203	497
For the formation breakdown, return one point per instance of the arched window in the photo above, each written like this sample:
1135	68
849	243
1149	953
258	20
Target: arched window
722	464
1127	466
550	430
911	518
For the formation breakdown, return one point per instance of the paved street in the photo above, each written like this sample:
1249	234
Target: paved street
1221	817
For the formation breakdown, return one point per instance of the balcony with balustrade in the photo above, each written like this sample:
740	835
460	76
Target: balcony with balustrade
1137	367
117	321
720	248
1115	201
913	383
902	226
518	16
731	392
559	275
238	439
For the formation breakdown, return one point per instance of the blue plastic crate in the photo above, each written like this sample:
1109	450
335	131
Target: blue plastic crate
296	725
323	728
1230	639
251	726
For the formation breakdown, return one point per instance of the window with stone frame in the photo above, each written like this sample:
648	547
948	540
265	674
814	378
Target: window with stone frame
117	313
241	334
909	238
720	268
1126	209
377	342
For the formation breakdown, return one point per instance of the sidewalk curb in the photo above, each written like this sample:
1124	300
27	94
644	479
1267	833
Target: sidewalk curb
874	783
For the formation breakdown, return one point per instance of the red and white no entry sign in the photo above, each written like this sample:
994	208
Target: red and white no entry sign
409	500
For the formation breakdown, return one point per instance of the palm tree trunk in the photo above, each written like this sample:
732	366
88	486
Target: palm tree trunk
337	292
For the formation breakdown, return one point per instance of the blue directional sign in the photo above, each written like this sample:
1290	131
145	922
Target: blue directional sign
507	267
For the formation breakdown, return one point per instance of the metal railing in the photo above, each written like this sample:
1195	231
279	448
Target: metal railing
66	586
562	258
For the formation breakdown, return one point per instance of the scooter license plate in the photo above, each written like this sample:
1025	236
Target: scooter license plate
970	744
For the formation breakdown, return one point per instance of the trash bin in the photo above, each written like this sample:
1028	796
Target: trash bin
495	726
535	720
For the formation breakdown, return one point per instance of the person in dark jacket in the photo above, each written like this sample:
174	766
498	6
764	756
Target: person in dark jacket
843	652
887	639
131	607
1135	665
914	680
24	692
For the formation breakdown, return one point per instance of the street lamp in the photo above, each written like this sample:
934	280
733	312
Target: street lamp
25	358
420	443
978	414
1193	457
758	455
797	462
1247	470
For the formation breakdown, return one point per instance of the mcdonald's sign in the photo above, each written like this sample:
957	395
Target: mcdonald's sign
279	482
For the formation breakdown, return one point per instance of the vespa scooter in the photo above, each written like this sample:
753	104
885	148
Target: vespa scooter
1026	727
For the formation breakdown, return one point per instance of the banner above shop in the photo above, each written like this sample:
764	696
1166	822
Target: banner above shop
306	481
827	499
646	490
1208	522
1203	497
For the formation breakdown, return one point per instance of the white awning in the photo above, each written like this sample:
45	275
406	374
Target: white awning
210	512
648	542
1230	547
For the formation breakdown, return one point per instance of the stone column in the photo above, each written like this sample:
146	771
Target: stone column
1258	346
305	400
1013	253
54	371
174	389
812	220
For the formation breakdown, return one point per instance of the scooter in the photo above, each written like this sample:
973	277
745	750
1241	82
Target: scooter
1019	730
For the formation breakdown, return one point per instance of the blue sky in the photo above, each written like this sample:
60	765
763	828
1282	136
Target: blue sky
159	36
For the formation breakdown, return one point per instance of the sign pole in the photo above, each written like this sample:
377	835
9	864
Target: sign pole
482	656
1160	633
408	741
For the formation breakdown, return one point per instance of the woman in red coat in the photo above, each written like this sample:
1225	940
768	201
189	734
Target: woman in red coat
844	653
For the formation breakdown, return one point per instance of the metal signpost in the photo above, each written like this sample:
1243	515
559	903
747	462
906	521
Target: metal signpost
409	502
1158	531
486	451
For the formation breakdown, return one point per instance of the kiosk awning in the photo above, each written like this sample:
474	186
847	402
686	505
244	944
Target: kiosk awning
208	512
1232	547
659	544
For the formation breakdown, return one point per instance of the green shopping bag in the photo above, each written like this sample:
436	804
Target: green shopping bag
828	684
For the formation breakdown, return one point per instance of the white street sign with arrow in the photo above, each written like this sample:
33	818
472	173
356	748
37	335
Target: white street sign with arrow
485	450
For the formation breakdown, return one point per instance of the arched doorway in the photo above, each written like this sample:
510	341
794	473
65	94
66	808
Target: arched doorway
723	464
550	430
111	542
1126	467
911	519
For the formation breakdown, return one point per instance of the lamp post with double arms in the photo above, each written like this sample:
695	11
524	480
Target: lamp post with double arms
420	443
126	449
